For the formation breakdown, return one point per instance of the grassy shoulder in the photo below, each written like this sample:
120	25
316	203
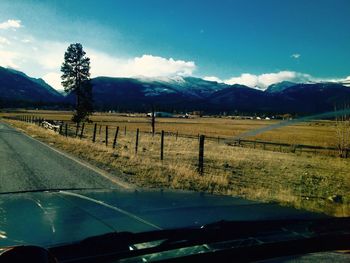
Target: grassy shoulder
316	183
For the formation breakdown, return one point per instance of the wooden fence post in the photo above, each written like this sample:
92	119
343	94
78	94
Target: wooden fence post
137	140
162	146
124	130
115	137
177	134
94	135
82	130
77	129
66	130
201	155
60	130
99	131
106	135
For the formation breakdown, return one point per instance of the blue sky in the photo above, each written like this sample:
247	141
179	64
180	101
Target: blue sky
254	42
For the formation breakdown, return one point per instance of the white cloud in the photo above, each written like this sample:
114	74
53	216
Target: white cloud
295	56
154	66
8	58
53	79
247	79
345	81
145	66
213	78
11	23
264	80
4	40
49	56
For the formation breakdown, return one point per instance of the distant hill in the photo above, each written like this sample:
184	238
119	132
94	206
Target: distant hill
19	90
188	93
313	98
177	94
278	87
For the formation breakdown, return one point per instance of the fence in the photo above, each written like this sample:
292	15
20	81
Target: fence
88	131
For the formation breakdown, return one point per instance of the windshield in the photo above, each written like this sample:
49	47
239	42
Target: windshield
138	116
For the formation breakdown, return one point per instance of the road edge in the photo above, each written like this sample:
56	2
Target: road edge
84	163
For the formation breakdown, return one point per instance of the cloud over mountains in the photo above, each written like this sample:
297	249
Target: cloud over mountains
43	58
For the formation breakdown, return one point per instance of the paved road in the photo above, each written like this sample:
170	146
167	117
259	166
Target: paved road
26	164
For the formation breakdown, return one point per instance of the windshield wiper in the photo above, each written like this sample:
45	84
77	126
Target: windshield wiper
263	237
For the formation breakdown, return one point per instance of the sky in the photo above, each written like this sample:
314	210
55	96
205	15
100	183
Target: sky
250	42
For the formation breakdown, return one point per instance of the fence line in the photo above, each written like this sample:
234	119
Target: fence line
230	142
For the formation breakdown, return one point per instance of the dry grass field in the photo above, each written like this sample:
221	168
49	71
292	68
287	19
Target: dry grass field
317	183
318	133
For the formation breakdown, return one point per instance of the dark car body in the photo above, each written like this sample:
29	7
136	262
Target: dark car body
49	218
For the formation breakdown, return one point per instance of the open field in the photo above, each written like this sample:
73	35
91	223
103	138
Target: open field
317	183
318	133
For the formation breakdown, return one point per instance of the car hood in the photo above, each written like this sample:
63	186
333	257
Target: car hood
50	218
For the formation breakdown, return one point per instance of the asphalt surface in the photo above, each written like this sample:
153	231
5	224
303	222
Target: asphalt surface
26	164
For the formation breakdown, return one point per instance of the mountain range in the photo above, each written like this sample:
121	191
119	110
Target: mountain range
176	94
19	90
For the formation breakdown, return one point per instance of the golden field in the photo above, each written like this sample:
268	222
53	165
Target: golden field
318	133
313	182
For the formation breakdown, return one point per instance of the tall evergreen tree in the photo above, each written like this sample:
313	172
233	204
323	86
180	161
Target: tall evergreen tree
76	79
